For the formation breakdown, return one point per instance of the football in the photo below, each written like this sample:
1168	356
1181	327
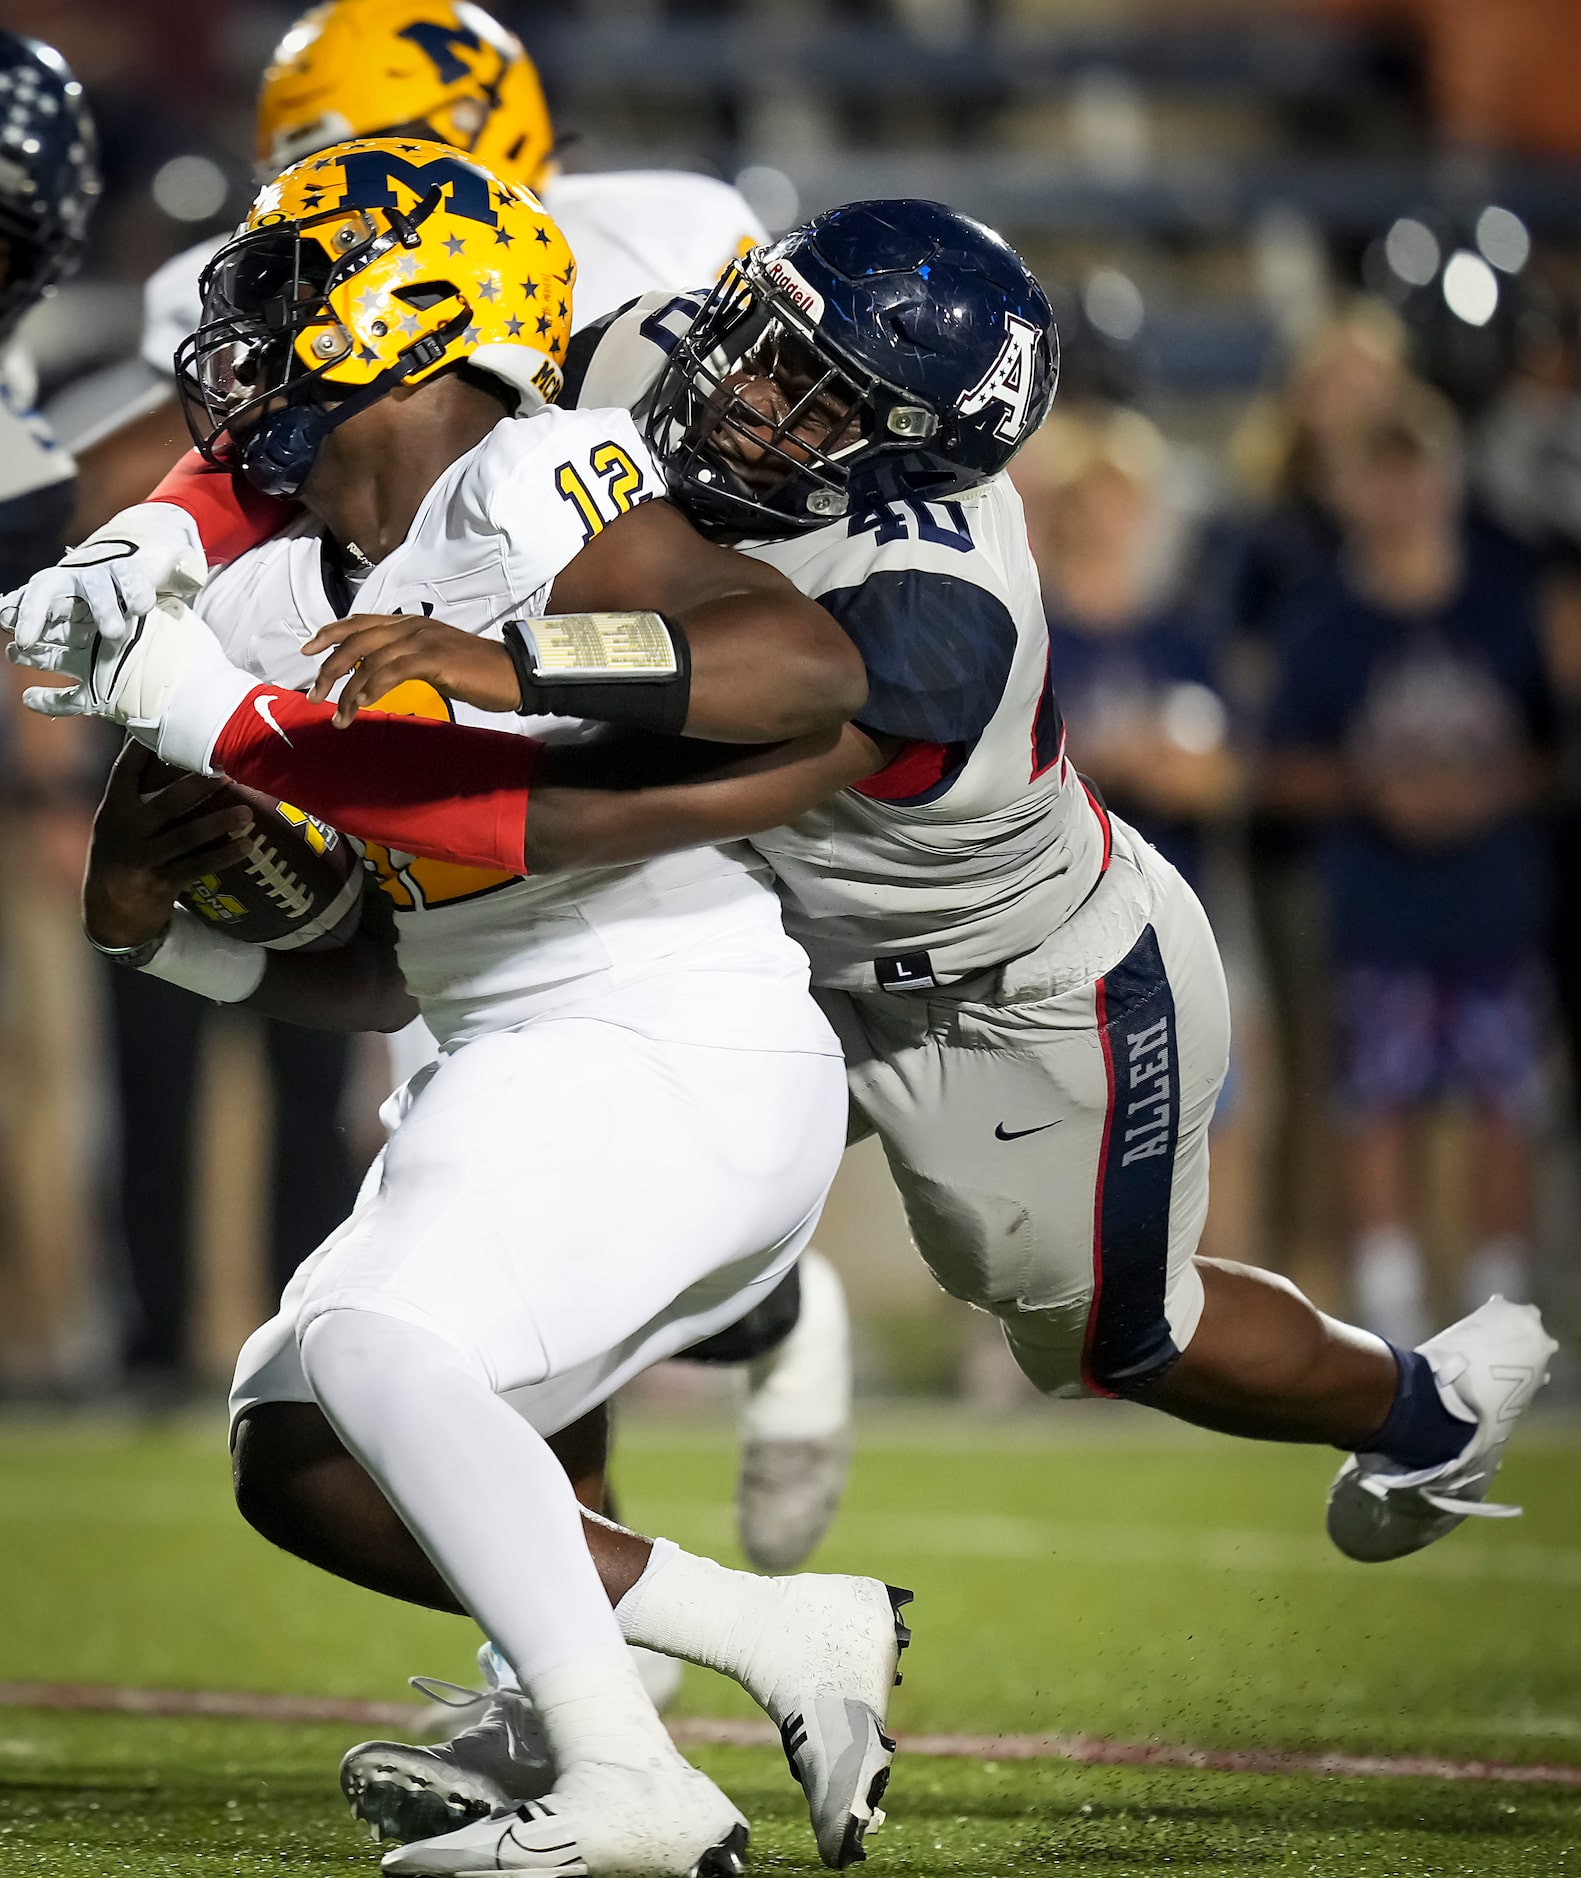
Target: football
298	888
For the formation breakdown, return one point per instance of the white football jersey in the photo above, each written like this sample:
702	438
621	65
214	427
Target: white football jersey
30	458
979	840
630	231
173	304
636	230
484	951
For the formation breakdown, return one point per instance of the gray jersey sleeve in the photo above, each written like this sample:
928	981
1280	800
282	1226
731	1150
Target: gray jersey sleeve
615	361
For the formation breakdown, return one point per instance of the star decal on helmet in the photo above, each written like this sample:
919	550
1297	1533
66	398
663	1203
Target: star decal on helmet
398	288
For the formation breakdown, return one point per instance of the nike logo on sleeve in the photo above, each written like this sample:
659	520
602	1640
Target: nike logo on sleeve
265	709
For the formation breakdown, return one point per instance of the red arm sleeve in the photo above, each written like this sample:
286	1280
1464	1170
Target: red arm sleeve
422	787
231	515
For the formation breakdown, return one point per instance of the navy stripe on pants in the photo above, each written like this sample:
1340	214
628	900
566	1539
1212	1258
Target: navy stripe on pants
1128	1338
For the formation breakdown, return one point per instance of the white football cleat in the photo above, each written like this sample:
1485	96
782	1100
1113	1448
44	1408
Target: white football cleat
659	1822
823	1670
795	1428
1488	1368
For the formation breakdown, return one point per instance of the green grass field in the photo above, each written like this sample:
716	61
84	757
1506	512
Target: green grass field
1074	1572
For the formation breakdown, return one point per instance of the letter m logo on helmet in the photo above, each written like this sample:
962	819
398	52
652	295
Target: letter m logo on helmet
1008	381
372	173
440	41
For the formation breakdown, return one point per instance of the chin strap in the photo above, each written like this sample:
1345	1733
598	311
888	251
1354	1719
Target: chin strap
281	452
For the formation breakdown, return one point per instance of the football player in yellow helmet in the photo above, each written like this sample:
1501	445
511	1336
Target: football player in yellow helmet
442	69
383	262
383	336
378	66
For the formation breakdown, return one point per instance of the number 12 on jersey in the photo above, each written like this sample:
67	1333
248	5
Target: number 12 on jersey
620	488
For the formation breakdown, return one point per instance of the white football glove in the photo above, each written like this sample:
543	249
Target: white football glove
104	586
166	679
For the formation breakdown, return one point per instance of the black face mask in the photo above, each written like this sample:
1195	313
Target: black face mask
753	422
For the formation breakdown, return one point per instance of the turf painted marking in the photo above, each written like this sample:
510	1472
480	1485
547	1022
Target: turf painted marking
1013	1537
696	1732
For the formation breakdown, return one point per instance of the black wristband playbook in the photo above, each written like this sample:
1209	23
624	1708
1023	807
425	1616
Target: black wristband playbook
617	692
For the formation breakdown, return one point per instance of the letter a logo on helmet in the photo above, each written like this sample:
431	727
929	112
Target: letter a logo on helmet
1008	381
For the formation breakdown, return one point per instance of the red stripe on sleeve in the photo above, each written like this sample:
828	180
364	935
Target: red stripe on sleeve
1103	822
913	770
231	515
443	790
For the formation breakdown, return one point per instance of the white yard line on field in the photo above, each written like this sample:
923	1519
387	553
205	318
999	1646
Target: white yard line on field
1222	1548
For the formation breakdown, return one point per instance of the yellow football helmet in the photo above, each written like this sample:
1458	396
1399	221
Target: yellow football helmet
439	69
378	263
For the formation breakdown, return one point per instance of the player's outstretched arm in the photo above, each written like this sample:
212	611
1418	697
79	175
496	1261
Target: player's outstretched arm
484	799
641	797
764	663
150	844
426	787
767	663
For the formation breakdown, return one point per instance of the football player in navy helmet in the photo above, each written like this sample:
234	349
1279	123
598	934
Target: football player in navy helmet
1030	999
49	183
884	351
49	174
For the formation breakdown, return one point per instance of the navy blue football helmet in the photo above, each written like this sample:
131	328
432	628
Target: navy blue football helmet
881	350
49	173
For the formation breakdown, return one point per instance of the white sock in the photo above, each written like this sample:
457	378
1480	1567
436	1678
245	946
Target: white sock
477	1486
702	1612
596	1709
801	1391
1500	1265
1389	1281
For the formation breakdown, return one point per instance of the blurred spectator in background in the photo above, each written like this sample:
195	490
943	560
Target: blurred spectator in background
1502	77
1348	371
1411	723
1345	372
1132	649
1132	657
49	187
